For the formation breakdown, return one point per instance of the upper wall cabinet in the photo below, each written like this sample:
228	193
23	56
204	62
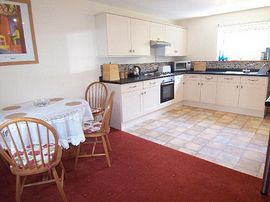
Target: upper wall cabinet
122	36
157	31
177	37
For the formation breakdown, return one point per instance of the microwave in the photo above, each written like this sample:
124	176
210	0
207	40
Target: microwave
182	66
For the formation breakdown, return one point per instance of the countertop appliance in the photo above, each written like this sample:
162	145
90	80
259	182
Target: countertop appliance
182	66
165	69
135	71
167	89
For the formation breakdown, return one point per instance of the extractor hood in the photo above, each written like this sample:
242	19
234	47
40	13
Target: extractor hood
156	44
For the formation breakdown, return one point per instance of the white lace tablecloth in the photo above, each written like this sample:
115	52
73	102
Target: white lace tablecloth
65	115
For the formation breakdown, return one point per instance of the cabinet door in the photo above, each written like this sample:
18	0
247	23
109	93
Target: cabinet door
151	99
131	105
192	90
252	96
182	42
171	35
118	35
208	92
140	37
157	32
179	88
227	94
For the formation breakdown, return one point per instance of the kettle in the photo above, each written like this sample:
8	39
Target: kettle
136	70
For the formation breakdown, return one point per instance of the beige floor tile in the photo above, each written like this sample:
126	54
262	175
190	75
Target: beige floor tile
228	139
193	146
153	134
178	142
253	155
165	138
235	151
228	159
249	164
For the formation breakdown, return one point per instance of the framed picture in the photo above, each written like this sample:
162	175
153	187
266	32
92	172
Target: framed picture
17	37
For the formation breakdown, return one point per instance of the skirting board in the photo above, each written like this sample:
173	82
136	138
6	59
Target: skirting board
237	110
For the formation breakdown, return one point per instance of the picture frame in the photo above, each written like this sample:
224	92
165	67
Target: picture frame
17	37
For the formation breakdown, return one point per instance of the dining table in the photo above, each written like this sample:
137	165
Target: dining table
66	115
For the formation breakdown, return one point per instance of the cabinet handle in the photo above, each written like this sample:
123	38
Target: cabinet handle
208	78
133	51
228	78
253	79
130	51
237	86
145	92
175	51
198	84
152	83
132	86
201	84
241	86
158	39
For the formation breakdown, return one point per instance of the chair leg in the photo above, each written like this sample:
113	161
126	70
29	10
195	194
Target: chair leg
18	188
108	142
63	173
106	150
59	186
94	146
23	182
77	156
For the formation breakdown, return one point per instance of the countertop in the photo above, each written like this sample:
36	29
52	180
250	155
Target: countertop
208	72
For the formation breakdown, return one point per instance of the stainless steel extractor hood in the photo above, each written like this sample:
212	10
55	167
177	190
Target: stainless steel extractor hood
156	44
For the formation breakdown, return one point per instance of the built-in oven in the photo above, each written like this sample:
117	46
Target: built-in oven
167	89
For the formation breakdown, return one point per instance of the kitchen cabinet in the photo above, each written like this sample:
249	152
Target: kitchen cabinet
151	99
131	105
200	89
157	31
208	89
140	42
228	91
179	88
122	36
253	92
192	89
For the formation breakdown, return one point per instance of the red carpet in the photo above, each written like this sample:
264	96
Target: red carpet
142	171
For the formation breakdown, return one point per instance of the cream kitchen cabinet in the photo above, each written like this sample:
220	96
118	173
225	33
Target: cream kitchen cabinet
122	36
199	88
192	89
208	89
131	105
178	88
228	91
253	92
157	31
177	37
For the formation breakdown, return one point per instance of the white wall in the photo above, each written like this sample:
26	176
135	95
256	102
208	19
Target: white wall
202	32
65	37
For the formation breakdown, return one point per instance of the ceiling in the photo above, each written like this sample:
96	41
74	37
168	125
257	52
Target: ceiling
180	9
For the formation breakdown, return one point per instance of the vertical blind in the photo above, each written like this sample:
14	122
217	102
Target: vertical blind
243	41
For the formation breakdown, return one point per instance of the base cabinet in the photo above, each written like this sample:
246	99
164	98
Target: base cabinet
151	99
131	105
227	94
179	88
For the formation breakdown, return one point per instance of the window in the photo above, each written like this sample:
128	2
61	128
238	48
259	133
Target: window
243	41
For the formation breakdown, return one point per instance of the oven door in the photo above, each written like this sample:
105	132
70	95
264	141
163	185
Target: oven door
166	91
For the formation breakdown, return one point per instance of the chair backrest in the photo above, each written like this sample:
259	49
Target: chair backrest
105	127
28	143
96	95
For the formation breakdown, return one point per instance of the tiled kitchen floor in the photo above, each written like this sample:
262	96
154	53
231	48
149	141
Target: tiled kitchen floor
232	140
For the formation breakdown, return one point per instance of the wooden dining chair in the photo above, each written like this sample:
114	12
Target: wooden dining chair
30	146
96	132
96	95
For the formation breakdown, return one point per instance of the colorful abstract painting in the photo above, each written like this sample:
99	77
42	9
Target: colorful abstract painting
12	39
